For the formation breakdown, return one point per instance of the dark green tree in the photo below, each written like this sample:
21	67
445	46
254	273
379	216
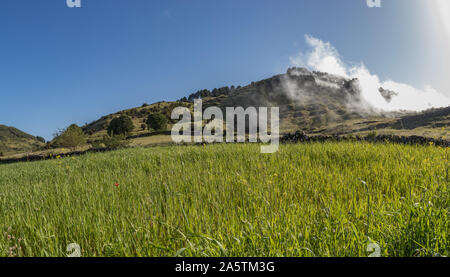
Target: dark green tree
156	121
121	125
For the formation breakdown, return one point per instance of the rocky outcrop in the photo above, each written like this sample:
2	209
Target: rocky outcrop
387	94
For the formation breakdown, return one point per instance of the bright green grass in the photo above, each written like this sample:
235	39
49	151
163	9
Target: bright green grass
230	200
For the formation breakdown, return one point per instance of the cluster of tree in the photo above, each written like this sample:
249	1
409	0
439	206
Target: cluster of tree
71	137
121	125
207	93
118	129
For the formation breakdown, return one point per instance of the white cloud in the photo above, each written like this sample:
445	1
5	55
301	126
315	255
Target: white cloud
324	57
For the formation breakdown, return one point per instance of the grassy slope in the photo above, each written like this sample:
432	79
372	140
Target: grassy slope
13	141
221	200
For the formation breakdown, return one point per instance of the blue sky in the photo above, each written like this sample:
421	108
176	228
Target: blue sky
60	66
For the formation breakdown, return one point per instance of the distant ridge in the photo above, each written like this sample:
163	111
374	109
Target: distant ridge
13	140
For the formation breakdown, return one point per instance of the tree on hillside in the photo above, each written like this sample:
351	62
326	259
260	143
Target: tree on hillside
156	121
120	126
71	137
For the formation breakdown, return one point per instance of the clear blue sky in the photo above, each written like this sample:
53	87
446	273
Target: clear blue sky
60	66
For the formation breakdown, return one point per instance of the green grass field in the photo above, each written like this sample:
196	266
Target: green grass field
230	200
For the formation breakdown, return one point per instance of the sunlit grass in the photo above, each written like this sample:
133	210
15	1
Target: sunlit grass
230	200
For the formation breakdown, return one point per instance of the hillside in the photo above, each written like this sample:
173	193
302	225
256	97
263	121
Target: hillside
14	141
314	102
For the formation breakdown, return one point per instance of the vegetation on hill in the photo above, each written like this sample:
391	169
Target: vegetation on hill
71	137
138	115
316	103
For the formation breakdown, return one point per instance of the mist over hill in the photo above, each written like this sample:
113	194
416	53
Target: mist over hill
320	102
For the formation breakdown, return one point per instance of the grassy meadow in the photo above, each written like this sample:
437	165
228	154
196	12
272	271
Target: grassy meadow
318	199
